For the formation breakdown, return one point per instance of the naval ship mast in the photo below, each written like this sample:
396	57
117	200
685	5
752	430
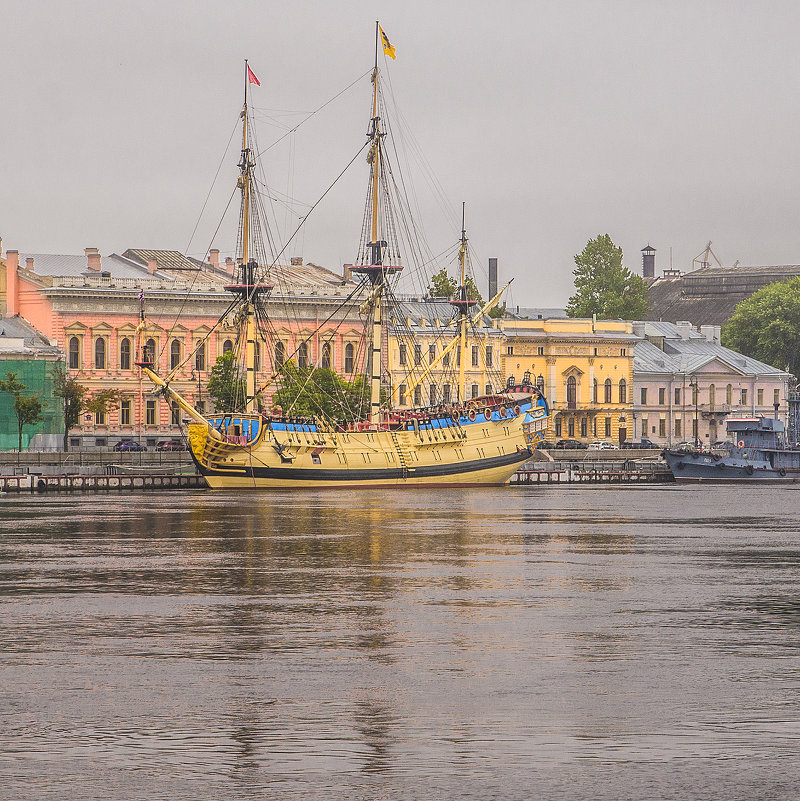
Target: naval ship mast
463	304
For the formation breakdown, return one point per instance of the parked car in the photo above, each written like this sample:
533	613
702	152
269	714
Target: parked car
575	444
171	445
545	445
603	445
129	445
639	443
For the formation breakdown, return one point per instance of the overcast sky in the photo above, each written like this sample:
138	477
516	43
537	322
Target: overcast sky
672	123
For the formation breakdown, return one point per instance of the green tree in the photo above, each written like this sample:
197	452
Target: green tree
604	287
72	394
443	286
29	409
225	384
309	392
766	326
102	401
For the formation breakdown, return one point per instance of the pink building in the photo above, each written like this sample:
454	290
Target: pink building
90	305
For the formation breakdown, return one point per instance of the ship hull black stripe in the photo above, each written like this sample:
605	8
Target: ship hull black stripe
289	473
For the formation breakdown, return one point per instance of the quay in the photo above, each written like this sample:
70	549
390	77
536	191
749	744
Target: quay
35	482
570	475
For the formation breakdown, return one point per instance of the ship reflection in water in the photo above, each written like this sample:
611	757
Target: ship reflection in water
568	643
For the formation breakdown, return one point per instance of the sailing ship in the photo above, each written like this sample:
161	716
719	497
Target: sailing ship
462	441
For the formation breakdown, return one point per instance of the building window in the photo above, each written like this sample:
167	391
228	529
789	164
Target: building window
125	413
607	387
643	396
174	354
760	397
595	392
474	391
74	353
487	389
584	427
475	356
623	391
510	350
558	426
418	395
571	427
349	352
662	396
432	394
227	346
695	394
446	360
431	354
100	354
403	358
776	397
417	354
608	427
572	392
540	350
401	399
623	351
662	427
744	397
280	355
445	393
200	406
302	355
694	429
489	356
729	394
678	427
100	418
150	413
712	395
150	350
326	356
594	427
677	396
175	413
200	358
125	354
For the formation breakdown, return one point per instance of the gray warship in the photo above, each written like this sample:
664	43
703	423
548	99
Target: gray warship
757	451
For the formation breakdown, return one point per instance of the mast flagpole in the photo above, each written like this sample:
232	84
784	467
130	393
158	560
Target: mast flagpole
247	271
463	309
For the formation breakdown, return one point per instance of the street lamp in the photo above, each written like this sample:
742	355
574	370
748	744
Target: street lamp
695	393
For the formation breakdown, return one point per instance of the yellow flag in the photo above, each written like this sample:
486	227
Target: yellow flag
388	47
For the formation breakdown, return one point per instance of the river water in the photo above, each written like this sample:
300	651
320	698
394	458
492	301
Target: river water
553	642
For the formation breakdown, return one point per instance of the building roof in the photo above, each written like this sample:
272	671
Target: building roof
691	354
60	265
165	259
19	337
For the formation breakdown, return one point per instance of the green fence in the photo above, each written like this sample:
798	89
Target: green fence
37	375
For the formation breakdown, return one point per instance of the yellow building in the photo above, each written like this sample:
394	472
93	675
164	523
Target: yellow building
585	368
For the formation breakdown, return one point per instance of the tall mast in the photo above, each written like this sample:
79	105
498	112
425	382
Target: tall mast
376	271
463	305
248	289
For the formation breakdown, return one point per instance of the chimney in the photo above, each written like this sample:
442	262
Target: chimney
684	329
152	266
347	272
297	261
648	261
213	257
711	333
230	266
492	278
12	283
29	264
92	259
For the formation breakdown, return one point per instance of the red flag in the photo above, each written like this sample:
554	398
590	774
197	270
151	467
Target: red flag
251	76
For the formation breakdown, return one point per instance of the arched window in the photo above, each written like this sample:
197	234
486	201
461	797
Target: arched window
302	355
729	394
125	354
100	354
623	391
572	392
349	352
150	350
227	346
595	395
608	390
280	355
74	353
174	354
326	356
200	358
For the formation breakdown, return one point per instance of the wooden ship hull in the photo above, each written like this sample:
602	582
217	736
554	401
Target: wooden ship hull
450	451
